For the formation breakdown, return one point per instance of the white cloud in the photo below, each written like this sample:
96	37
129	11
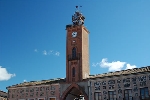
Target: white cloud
35	50
24	80
4	75
114	65
57	53
130	66
44	52
94	65
50	52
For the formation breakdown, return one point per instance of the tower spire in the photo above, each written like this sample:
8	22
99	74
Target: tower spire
78	18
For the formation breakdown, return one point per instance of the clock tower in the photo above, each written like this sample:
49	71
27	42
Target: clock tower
77	49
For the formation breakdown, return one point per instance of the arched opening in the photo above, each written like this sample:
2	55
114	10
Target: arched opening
74	53
73	91
73	72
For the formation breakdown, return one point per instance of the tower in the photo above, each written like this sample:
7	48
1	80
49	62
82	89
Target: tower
77	49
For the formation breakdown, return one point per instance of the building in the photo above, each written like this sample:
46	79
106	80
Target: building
131	84
3	95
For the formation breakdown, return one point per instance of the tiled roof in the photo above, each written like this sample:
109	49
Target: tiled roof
33	83
58	80
3	94
3	91
122	72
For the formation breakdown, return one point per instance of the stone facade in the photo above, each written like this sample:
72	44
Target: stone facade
121	87
37	90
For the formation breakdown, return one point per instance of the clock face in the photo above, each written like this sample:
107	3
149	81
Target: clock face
74	34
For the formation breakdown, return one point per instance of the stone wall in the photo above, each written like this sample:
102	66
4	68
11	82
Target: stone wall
132	82
42	92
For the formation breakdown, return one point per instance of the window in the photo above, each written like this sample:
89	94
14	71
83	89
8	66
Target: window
97	96
111	86
144	93
128	94
73	72
41	99
74	53
112	95
104	87
52	98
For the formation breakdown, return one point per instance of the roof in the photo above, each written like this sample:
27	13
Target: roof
3	94
3	91
110	74
122	72
34	83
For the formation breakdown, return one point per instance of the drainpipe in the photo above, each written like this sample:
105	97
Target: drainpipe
89	89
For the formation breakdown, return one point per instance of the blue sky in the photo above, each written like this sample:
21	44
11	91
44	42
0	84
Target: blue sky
33	37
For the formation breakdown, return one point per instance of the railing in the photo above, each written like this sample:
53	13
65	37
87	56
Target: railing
74	57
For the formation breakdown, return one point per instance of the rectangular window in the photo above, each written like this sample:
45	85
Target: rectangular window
112	95
104	87
144	93
52	98
41	99
97	96
128	94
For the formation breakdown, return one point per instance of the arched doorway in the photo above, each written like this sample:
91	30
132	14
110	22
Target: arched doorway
73	91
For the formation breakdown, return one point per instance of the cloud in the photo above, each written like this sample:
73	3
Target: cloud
93	64
4	75
130	66
50	52
57	53
44	52
24	80
114	65
35	50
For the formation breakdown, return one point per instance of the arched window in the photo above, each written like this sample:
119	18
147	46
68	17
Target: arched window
74	53
73	72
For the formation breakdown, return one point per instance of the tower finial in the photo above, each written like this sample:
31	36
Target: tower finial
77	8
78	18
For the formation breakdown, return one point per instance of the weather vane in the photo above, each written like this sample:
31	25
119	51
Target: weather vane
77	8
78	18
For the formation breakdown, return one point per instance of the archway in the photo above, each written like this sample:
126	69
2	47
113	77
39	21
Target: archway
73	91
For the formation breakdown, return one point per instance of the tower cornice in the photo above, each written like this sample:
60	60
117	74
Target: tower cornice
71	27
